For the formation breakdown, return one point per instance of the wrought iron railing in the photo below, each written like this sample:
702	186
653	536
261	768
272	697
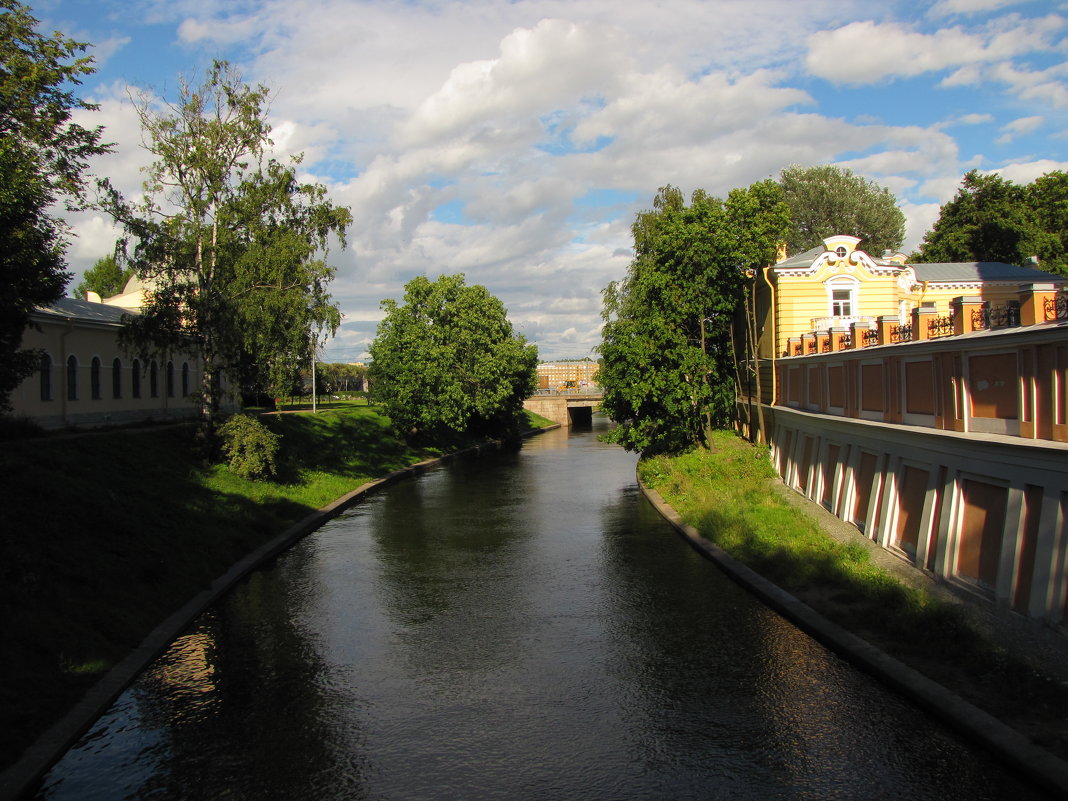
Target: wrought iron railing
812	346
940	327
1056	308
1007	316
847	341
901	333
871	337
825	346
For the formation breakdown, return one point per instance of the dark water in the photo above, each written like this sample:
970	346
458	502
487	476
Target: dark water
521	626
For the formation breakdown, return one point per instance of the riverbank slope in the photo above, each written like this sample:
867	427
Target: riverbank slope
107	533
1014	669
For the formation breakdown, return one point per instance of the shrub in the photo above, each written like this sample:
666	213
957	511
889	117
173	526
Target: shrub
249	446
12	428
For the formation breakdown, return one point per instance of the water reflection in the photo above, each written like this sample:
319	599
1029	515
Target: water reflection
517	626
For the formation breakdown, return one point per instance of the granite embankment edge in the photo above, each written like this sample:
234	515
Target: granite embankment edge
22	777
1037	764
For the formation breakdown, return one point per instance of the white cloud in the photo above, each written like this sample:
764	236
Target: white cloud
1025	172
1020	127
867	52
945	8
919	219
479	136
1045	87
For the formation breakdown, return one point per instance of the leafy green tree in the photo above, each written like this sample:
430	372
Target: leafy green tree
43	159
231	243
106	278
668	361
826	200
989	219
1048	199
448	361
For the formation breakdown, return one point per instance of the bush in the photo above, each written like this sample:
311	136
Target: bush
249	446
12	428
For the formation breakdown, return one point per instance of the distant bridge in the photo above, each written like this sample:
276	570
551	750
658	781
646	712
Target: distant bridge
565	407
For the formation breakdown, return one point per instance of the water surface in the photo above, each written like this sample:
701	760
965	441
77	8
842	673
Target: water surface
520	626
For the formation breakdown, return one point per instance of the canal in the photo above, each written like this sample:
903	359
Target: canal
518	626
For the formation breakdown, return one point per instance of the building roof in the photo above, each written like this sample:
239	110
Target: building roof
981	271
802	259
83	310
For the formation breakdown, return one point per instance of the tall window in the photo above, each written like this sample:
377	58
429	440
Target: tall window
135	379
185	379
116	378
842	296
153	379
94	378
170	379
72	378
46	377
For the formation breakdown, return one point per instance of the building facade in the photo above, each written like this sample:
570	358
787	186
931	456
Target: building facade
563	376
939	427
86	378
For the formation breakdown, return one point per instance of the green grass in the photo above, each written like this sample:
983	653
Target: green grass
107	533
725	493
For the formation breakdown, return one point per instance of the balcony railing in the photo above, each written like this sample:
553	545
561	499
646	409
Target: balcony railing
901	333
1007	316
940	327
823	323
1056	308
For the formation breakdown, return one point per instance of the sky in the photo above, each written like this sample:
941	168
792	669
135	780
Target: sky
514	142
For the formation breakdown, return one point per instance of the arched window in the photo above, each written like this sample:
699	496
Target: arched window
94	378
153	379
170	379
185	379
135	379
72	378
116	378
46	377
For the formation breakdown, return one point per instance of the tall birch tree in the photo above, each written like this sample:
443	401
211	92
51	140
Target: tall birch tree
230	242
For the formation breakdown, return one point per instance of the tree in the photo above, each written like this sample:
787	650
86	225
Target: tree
43	158
107	277
828	200
1048	200
230	242
668	370
448	361
987	220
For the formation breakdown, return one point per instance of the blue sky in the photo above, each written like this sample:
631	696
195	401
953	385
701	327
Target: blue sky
515	141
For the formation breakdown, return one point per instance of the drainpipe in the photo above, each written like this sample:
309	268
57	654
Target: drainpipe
63	370
774	335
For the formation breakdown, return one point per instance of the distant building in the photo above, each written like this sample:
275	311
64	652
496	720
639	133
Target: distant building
86	379
556	375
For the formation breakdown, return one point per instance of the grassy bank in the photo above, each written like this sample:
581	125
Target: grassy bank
107	533
726	495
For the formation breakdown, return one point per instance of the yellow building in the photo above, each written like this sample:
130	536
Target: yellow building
926	405
567	375
87	378
836	286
